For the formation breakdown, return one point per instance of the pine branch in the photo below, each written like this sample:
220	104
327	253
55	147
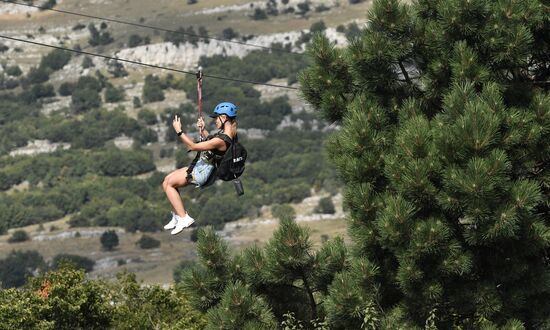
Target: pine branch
405	73
310	295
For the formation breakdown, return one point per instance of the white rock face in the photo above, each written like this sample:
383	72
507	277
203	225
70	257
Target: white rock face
186	56
38	147
124	142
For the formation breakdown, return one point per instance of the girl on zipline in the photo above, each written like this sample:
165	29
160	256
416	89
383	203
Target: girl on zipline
211	151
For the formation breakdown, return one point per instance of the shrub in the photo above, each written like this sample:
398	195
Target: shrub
66	89
136	102
259	14
229	33
148	242
87	62
325	206
79	262
55	60
37	75
281	211
109	240
14	71
19	265
134	40
18	236
147	116
318	27
114	94
152	91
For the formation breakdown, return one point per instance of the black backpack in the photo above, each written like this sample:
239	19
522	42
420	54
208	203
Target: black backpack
231	165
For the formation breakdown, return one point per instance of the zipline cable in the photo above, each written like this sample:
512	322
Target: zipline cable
146	64
153	27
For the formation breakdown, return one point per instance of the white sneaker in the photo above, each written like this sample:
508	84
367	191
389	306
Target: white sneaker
172	223
182	223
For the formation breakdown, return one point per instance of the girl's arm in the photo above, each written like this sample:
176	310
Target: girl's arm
215	143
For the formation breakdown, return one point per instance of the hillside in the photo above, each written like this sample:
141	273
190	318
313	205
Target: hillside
80	155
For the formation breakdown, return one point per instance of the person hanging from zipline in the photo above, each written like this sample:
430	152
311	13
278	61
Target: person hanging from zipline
212	149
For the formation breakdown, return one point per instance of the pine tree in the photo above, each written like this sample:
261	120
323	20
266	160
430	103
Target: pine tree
254	289
445	117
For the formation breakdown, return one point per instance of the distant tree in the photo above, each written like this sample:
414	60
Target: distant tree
37	75
353	2
192	2
178	37
98	38
3	48
78	27
48	4
114	94
136	102
85	99
66	88
116	68
18	236
19	265
134	40
318	27
303	7
229	33
14	71
203	32
152	91
283	211
55	60
259	14
79	262
148	242
109	240
325	206
147	116
87	62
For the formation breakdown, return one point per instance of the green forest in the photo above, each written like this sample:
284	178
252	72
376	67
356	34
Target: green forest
442	151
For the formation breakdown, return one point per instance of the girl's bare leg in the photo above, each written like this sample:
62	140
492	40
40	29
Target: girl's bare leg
172	181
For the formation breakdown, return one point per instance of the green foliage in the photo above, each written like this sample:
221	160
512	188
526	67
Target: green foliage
134	40
98	38
147	116
64	299
253	288
55	60
87	62
66	89
14	71
325	206
19	265
37	75
114	94
148	242
229	33
79	262
442	115
318	27
283	211
152	91
18	236
109	240
85	95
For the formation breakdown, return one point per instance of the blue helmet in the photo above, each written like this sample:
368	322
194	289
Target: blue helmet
225	108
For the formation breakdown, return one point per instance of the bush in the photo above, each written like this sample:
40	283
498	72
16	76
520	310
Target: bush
55	60
325	206
134	40
66	89
19	265
37	75
318	27
109	240
77	261
283	211
229	33
18	236
114	94
14	71
152	91
87	62
85	99
137	102
259	14
148	242
147	116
